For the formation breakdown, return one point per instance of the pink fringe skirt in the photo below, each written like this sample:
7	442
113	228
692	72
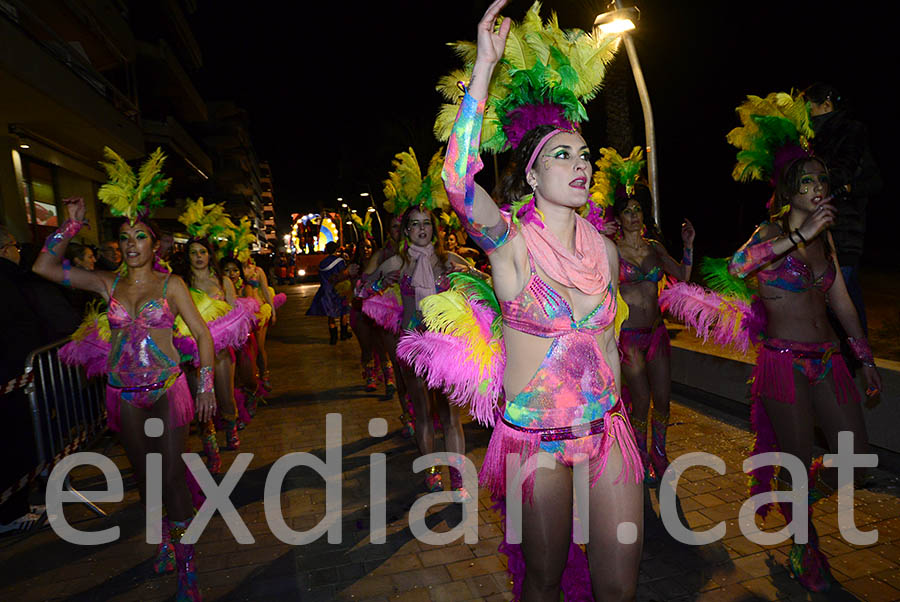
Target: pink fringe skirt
647	341
773	378
592	442
181	404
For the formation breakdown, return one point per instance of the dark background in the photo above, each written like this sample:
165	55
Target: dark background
334	90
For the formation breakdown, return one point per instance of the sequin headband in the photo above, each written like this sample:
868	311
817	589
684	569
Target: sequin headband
540	145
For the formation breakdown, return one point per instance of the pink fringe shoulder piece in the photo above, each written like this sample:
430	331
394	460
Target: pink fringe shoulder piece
231	330
728	321
90	352
279	300
446	362
385	309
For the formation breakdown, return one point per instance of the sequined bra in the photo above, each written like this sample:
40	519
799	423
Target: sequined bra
795	276
541	311
633	274
154	313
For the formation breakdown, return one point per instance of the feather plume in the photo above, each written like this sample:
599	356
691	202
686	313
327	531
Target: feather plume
769	126
205	221
728	321
614	175
406	186
541	64
130	195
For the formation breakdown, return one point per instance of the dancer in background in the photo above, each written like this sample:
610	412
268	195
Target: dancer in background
328	300
644	340
144	377
421	267
229	321
368	333
383	305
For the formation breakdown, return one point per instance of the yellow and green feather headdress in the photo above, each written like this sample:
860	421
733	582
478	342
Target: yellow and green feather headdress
130	195
543	78
406	186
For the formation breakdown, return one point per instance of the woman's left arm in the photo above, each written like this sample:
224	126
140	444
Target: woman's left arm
184	306
840	303
267	294
682	270
230	293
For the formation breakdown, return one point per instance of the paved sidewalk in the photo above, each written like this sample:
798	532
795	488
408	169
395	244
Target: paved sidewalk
312	379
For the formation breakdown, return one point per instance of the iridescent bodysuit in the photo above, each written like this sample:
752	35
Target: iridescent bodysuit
139	371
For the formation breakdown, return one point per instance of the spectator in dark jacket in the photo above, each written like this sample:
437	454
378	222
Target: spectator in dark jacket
843	143
21	328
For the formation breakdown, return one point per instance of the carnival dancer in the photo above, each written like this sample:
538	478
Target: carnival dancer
789	263
421	267
368	333
644	341
232	254
145	379
383	305
230	321
328	301
255	276
556	280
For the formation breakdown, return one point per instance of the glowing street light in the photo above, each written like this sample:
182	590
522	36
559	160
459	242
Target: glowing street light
344	205
620	20
617	21
363	194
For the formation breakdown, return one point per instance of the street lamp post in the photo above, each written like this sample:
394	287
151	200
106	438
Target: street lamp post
621	21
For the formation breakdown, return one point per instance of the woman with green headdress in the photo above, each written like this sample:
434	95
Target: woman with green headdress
643	339
145	380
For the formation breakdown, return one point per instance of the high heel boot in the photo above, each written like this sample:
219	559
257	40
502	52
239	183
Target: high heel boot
187	591
211	448
165	552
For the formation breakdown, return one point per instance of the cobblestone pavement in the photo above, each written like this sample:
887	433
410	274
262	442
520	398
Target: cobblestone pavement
312	379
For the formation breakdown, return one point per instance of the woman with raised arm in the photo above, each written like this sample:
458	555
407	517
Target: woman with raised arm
145	379
421	267
556	280
800	377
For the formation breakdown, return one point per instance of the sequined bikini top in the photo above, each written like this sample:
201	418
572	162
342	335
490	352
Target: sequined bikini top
795	276
154	313
541	311
632	274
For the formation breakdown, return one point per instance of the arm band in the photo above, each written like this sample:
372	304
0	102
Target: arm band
207	380
862	351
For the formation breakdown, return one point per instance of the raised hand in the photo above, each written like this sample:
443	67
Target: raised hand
822	217
491	44
75	208
687	234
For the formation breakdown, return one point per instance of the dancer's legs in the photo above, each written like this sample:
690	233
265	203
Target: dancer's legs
451	420
547	533
421	398
793	422
262	357
834	418
659	372
614	564
175	494
225	386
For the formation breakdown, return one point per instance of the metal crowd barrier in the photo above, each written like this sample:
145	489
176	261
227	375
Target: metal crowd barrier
68	410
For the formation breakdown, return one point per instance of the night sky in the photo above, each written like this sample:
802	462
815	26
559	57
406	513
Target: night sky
334	91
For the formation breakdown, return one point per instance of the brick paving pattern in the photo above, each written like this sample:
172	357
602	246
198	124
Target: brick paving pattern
312	379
